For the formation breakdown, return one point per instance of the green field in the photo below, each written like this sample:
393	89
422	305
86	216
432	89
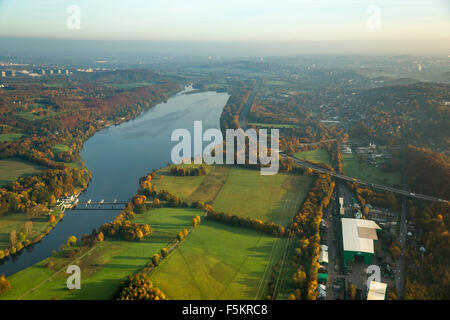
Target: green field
317	155
219	262
16	221
28	115
243	192
273	125
57	148
189	187
13	168
367	172
77	165
6	137
274	198
105	265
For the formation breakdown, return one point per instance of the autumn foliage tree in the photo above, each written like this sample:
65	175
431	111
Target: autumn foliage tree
5	285
196	221
72	240
305	226
139	287
100	236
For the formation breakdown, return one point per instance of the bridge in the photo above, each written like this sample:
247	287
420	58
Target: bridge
364	183
94	205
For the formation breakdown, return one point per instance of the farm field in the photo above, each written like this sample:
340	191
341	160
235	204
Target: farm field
192	188
13	168
30	116
60	148
103	266
241	191
318	156
218	261
274	198
16	221
369	173
182	187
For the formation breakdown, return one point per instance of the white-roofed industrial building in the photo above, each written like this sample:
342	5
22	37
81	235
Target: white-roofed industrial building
377	291
358	237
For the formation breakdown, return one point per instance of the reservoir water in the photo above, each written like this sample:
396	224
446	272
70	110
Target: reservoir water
117	157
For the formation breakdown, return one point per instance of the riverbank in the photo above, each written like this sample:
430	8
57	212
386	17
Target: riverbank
105	265
39	228
10	222
143	141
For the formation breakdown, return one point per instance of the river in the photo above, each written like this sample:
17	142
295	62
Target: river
118	156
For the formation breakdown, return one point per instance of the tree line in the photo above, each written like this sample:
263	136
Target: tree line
122	226
428	270
245	222
305	227
180	171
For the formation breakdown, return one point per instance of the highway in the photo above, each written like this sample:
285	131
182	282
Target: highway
364	183
243	124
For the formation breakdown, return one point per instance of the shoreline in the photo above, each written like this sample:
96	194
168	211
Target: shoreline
10	252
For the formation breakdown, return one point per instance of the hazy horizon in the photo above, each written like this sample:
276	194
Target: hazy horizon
232	28
20	46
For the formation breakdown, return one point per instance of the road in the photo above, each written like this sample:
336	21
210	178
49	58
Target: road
243	124
400	275
246	109
316	143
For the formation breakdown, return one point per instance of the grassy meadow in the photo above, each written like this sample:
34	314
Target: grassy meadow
104	266
16	221
7	137
274	198
218	261
13	168
57	148
367	172
241	191
317	155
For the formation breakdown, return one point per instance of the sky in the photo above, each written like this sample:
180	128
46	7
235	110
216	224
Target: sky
400	23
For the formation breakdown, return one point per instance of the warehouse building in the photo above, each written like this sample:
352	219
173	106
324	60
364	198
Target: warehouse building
358	237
